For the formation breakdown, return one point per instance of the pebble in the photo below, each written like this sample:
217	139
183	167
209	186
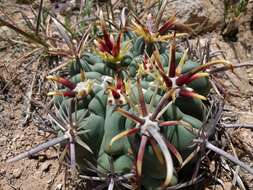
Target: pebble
1	108
59	187
4	157
3	140
49	181
2	172
2	97
12	116
45	167
17	173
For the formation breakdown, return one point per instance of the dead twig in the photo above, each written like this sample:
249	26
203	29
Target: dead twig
28	100
226	155
237	125
39	18
19	61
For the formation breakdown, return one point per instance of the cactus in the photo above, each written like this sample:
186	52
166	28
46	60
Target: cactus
134	107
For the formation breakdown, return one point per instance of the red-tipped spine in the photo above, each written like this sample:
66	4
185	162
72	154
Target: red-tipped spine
119	84
116	47
172	66
167	26
65	82
191	94
107	39
69	94
181	80
104	47
143	106
115	93
195	77
140	155
166	79
145	62
168	123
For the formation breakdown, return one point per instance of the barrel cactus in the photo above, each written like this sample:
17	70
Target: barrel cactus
132	107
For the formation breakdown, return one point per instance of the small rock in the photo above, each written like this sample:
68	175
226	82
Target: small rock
209	12
2	97
1	108
3	140
59	187
49	181
2	172
12	116
15	139
17	173
4	157
45	167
